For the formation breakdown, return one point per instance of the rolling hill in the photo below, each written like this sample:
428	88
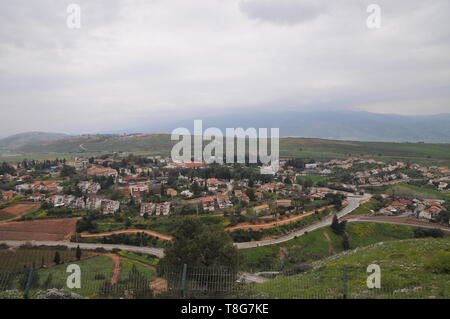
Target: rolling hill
161	144
334	125
17	141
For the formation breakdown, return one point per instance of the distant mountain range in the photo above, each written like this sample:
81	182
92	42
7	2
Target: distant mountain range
338	126
334	125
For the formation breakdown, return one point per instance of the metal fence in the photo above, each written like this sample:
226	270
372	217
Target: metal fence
221	282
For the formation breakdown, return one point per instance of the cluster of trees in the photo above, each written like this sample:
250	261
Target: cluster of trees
5	168
237	172
199	245
67	171
296	163
425	232
139	239
339	229
87	224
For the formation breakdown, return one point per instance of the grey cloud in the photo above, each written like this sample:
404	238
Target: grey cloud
282	12
136	60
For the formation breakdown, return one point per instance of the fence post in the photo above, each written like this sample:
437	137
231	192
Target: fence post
28	283
183	280
344	282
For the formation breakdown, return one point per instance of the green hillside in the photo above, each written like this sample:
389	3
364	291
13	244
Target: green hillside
160	144
315	245
412	268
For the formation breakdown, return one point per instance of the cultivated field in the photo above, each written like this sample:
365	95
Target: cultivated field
40	230
20	259
17	210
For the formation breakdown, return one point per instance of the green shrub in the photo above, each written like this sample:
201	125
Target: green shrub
439	262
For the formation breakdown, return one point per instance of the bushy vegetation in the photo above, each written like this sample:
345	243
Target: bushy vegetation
412	268
315	245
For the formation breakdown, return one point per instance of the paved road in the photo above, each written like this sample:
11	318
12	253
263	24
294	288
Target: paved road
146	250
353	203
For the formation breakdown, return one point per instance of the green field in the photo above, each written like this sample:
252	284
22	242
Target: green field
314	245
146	259
412	268
96	273
160	144
127	265
410	191
365	208
20	259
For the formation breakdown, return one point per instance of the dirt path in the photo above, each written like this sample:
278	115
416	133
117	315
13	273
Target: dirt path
158	285
276	223
129	231
330	243
116	269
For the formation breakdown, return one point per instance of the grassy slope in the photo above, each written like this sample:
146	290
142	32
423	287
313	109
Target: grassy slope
127	265
89	269
405	273
421	192
298	147
365	208
315	246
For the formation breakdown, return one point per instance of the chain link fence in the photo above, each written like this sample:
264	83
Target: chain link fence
220	282
35	273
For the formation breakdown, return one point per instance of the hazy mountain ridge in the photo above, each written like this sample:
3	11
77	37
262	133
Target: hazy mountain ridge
337	125
17	141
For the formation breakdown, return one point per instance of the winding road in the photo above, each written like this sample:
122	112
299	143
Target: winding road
145	250
353	203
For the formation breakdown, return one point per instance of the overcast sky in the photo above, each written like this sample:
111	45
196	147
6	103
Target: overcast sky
150	61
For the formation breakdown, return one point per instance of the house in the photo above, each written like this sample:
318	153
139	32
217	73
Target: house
81	163
442	186
241	196
36	197
444	169
431	213
223	201
102	171
89	187
8	195
401	204
110	206
162	209
94	203
138	191
208	204
187	193
57	200
52	187
78	203
212	182
133	180
147	208
171	192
